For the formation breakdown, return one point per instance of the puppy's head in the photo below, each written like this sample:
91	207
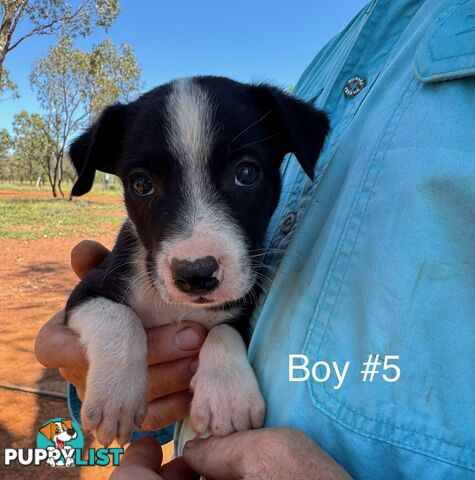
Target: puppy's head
199	160
62	430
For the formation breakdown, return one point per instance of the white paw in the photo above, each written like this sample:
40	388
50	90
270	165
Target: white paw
115	404
226	400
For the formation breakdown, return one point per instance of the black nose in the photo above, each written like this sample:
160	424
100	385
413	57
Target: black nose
71	432
195	277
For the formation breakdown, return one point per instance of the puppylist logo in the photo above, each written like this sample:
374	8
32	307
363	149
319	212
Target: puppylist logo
60	443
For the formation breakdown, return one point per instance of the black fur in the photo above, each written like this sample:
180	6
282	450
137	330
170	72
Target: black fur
126	138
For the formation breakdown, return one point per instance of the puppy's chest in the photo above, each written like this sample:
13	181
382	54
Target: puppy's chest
154	312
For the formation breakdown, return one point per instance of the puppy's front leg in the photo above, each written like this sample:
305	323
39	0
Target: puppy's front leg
116	348
226	396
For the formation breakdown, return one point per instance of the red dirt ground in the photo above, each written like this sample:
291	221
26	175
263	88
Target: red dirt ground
35	281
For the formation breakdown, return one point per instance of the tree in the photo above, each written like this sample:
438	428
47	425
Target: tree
5	146
74	85
49	17
33	148
5	143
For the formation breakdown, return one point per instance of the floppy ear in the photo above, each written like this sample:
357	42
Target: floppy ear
98	148
68	424
48	430
302	128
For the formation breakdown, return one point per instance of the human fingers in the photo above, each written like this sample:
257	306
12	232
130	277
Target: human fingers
174	341
140	461
87	255
58	346
167	410
171	377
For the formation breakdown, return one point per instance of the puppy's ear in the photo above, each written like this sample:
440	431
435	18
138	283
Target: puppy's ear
301	128
68	424
98	148
48	430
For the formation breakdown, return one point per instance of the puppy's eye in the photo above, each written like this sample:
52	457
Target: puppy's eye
247	174
141	184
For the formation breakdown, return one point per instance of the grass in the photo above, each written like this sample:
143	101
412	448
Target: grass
29	219
115	189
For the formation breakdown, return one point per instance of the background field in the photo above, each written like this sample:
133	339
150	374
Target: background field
36	237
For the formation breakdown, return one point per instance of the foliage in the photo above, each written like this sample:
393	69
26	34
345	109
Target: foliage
49	17
33	147
5	147
74	85
5	143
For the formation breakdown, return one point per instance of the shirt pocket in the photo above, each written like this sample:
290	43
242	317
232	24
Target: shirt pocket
402	280
447	50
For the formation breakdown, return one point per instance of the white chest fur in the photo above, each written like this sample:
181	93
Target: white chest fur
154	312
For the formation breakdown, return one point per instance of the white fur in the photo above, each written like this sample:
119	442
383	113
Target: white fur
155	308
205	229
116	348
226	396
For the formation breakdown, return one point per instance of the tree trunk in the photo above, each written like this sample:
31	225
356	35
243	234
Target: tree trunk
6	32
60	172
12	15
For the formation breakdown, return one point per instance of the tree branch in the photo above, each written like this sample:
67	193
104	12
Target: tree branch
42	29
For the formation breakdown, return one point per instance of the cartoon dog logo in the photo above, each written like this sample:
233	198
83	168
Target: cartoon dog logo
59	432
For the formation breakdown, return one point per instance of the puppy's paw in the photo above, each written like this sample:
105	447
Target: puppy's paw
226	401
115	405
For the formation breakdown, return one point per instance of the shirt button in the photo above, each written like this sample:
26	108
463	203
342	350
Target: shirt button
354	86
288	223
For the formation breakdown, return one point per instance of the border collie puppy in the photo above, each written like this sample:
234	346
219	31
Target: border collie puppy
199	161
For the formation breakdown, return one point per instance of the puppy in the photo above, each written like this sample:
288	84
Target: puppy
199	161
60	433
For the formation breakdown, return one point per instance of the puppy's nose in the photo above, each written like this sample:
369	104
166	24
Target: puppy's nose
195	277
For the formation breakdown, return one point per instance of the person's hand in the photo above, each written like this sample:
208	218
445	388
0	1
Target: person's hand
143	459
172	353
264	454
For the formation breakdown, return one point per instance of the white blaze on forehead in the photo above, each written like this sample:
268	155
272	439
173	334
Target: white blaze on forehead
190	139
190	124
204	228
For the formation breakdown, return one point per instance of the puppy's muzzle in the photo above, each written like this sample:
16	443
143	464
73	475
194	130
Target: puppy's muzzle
195	277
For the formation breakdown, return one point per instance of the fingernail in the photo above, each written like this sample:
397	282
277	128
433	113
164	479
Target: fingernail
188	339
194	365
190	444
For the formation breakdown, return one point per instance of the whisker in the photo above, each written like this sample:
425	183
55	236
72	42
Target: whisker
253	143
250	126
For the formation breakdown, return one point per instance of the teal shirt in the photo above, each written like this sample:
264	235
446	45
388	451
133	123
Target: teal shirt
381	257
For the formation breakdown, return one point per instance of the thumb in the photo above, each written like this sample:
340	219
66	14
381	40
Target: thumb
141	460
219	458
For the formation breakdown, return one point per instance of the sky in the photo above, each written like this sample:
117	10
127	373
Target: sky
248	40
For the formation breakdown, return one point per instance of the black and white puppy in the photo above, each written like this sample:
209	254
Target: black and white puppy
199	160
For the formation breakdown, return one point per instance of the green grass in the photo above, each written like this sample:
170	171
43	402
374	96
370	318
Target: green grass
29	219
115	189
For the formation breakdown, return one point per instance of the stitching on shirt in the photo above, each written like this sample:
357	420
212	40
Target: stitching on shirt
395	427
440	22
430	453
387	138
344	239
448	14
